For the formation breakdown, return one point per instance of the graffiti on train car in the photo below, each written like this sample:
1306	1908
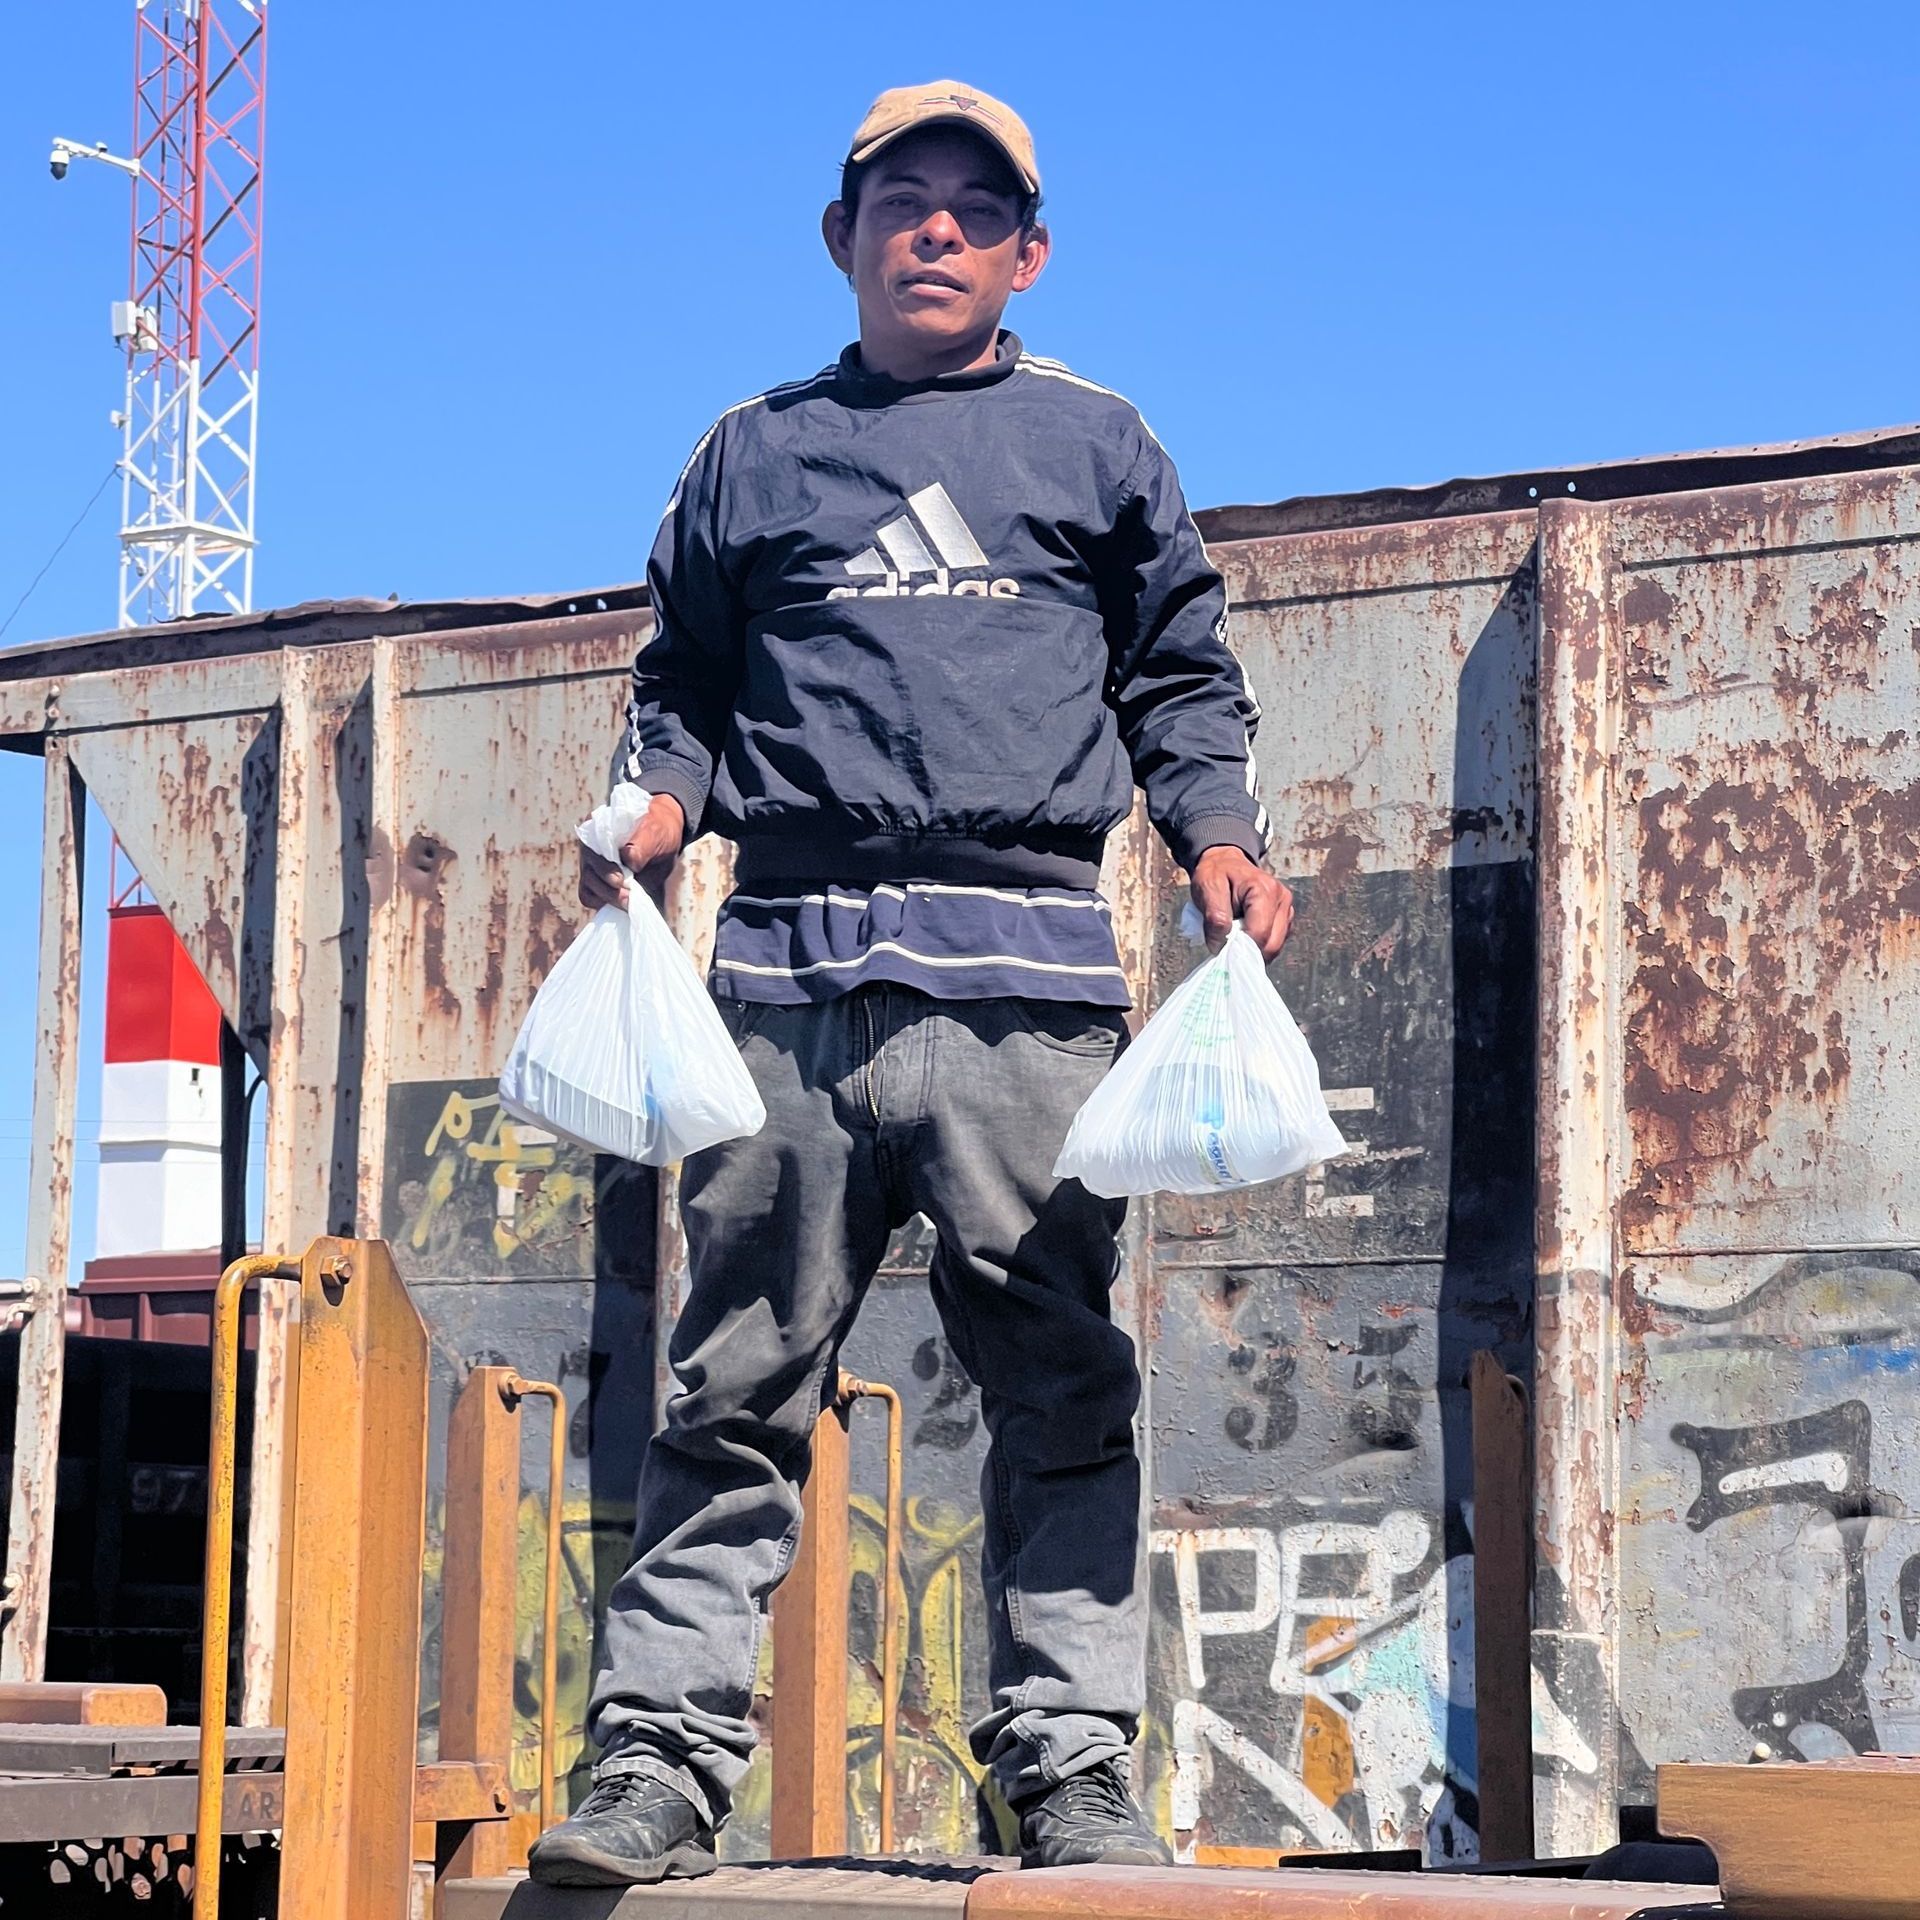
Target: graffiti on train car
1345	1692
944	1803
1311	1665
1773	1418
593	1535
469	1190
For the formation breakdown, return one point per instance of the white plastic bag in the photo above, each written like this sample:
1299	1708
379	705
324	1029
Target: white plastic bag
1220	1090
623	1049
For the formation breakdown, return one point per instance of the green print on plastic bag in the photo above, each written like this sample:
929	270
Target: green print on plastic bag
1204	1022
1219	1089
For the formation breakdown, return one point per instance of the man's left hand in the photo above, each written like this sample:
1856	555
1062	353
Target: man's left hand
1227	886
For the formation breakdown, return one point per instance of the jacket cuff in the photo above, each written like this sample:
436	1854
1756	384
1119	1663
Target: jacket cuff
1190	840
663	776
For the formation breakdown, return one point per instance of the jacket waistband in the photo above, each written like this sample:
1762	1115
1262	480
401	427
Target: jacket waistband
873	859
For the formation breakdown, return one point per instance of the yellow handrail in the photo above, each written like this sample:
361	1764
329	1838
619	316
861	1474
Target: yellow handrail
216	1625
516	1388
893	1597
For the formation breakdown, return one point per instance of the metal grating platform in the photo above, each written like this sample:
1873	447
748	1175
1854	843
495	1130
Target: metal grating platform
869	1889
990	1890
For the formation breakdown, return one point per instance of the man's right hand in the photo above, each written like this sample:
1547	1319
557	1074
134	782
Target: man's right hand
649	854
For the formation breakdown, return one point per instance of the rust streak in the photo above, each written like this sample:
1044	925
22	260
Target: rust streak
1758	895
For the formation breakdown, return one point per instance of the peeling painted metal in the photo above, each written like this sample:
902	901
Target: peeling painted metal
1575	1445
1310	1667
1603	813
1766	830
49	1224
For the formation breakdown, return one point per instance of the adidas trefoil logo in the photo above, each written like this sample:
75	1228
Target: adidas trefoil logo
930	539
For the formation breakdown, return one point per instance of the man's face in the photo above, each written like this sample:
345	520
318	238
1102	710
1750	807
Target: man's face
934	247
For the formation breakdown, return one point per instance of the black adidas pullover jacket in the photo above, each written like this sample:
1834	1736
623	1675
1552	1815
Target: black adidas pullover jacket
935	632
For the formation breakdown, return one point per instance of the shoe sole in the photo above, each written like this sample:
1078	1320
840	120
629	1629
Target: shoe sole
572	1865
1121	1856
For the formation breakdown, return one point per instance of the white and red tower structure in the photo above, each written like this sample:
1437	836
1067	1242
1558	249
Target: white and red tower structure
191	327
160	1108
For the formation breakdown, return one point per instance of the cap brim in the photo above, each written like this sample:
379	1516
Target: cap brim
859	156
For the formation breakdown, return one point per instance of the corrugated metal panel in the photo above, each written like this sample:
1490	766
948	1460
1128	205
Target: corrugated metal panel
1725	1240
1310	1340
1766	827
487	746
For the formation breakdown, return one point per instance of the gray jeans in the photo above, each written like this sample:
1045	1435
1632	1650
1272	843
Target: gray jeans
882	1104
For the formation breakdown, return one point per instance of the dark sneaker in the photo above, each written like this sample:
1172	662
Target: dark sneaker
628	1830
1089	1820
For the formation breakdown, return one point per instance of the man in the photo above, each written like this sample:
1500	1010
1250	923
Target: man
921	623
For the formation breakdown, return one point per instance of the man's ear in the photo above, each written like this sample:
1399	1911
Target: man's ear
836	229
1035	250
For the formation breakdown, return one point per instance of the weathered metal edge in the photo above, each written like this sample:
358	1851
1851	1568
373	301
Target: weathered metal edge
1602	480
151	1805
315	623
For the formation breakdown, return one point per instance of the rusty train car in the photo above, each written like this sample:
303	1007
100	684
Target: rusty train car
1600	791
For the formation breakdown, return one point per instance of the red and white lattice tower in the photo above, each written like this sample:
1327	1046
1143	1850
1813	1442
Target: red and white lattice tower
191	330
192	325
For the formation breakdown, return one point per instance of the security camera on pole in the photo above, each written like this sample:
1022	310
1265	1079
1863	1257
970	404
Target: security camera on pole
191	324
68	150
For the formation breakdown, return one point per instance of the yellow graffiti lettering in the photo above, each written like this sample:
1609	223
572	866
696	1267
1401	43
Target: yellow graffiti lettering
456	1118
439	1187
503	1145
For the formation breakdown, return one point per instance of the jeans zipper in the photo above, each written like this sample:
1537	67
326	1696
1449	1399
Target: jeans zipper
873	1024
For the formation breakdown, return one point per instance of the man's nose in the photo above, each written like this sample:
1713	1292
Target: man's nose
941	231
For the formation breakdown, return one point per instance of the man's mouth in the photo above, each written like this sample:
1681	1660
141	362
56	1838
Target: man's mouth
932	278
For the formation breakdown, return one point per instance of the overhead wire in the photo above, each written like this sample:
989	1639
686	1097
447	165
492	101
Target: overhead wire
60	549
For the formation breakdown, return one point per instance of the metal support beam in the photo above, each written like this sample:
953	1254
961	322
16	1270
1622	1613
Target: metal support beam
1576	1444
216	1635
461	1793
810	1664
46	1807
520	1389
1502	1584
479	1573
1304	1893
263	1695
36	1428
893	1590
82	1703
359	1536
1834	1840
384	989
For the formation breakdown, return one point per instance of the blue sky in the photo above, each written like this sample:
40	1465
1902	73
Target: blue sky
518	259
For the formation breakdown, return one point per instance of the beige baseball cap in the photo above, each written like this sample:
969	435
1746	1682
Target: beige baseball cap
951	103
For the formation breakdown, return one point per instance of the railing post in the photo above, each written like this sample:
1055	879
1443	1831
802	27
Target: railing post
519	1389
1502	1613
893	1590
359	1536
477	1604
216	1617
810	1664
